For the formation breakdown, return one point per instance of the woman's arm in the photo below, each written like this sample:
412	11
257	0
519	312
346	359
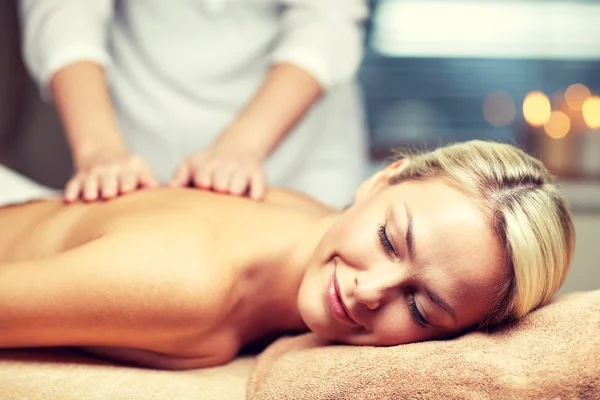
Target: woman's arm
324	38
284	97
59	33
105	167
321	45
126	290
64	47
87	114
233	163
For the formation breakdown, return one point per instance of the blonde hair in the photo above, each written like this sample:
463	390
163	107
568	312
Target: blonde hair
527	213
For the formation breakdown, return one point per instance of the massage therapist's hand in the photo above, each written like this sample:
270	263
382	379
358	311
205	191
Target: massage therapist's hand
225	167
108	174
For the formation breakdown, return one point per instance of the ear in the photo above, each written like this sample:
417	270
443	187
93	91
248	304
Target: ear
379	180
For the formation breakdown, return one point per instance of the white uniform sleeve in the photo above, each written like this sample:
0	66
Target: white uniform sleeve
57	33
323	37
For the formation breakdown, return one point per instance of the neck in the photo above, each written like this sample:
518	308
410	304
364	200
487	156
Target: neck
268	302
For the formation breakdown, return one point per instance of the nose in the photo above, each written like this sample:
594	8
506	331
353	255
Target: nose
374	287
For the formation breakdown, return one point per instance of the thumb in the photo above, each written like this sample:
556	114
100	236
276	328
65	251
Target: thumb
182	176
147	179
258	186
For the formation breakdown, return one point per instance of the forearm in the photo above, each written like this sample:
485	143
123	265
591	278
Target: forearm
108	292
286	95
84	105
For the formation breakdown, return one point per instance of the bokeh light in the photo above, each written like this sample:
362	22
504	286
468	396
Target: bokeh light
558	125
536	108
576	95
591	111
499	109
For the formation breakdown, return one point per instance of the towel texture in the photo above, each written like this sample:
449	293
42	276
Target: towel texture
54	374
553	353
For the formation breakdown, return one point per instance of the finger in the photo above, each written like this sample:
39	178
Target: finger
258	185
239	183
128	182
203	177
222	179
147	178
108	186
182	176
90	188
73	189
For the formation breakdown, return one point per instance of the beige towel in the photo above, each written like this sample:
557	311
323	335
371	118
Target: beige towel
66	375
554	353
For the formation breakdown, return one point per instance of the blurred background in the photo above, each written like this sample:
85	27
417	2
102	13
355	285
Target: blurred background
525	72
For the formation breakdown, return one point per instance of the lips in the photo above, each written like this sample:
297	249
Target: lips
336	303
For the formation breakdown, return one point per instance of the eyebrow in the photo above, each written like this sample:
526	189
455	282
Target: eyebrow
410	247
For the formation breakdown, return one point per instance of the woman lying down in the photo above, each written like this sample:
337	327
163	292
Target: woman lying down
436	244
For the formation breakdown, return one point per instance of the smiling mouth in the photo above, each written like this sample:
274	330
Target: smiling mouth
336	304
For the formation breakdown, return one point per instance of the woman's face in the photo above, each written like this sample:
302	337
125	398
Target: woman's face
409	262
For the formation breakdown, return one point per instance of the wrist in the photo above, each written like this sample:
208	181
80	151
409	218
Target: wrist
247	138
89	153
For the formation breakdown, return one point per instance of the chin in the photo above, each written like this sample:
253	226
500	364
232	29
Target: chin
323	332
312	310
319	322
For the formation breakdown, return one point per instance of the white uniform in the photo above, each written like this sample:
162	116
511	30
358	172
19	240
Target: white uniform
19	189
179	72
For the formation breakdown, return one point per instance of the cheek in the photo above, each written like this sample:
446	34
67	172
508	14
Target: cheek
475	303
393	327
309	301
354	242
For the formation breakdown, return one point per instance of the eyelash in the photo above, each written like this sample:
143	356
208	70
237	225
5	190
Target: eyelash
412	305
385	241
414	311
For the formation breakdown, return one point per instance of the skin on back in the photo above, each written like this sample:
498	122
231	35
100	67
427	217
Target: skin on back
151	279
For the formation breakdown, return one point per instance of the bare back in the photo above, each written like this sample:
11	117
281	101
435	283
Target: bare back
169	259
44	228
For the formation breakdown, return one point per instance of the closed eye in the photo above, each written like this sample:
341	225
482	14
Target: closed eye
385	241
414	311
